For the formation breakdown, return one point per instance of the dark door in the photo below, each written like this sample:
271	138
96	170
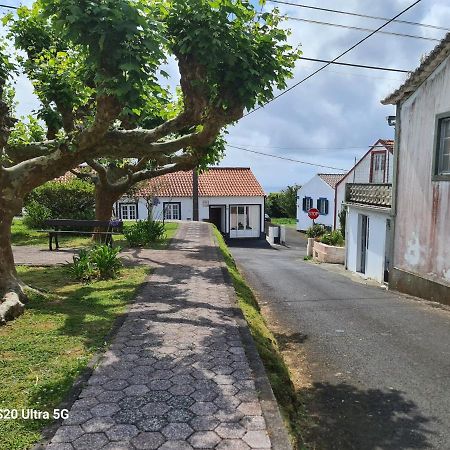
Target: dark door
215	217
363	243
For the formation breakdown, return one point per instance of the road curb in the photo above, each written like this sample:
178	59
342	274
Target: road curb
275	426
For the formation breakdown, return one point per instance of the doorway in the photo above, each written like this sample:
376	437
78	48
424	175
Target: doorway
363	242
217	216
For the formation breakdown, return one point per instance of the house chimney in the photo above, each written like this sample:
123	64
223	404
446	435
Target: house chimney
195	215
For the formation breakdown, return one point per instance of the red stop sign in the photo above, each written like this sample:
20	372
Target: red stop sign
313	213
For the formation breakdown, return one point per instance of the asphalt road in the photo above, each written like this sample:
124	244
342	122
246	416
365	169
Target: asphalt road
379	361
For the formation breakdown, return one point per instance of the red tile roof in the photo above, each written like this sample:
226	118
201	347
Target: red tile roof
331	178
215	182
388	143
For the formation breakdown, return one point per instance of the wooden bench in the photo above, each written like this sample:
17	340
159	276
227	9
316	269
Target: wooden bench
106	228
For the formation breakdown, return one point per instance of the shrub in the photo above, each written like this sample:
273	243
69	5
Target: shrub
82	268
36	214
144	232
316	230
333	238
99	262
73	199
106	261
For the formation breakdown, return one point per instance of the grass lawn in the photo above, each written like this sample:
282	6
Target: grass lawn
291	223
277	371
44	350
23	235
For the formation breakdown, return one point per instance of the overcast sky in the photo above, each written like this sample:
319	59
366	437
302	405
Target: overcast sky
335	116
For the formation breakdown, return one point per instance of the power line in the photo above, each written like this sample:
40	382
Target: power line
9	7
350	27
363	66
348	13
285	158
335	59
308	148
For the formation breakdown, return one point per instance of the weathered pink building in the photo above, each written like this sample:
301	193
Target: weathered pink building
421	200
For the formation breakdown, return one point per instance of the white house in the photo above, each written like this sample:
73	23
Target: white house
318	192
229	197
421	200
376	166
363	196
368	229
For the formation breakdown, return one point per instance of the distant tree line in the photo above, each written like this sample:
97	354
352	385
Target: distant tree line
283	203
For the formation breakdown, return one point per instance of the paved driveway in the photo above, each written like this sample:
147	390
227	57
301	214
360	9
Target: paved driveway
379	362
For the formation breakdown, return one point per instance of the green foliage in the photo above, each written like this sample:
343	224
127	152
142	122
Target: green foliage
316	230
26	131
144	232
73	199
333	238
82	268
99	262
243	58
36	214
273	206
288	200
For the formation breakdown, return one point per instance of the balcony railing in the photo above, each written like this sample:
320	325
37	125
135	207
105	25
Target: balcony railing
369	194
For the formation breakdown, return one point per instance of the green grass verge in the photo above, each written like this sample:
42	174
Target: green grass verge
291	223
44	350
268	349
23	235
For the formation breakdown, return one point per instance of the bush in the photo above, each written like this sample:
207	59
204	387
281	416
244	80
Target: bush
36	214
144	232
99	262
316	230
73	199
333	238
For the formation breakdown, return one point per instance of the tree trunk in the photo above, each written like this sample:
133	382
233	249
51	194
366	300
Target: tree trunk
12	293
104	205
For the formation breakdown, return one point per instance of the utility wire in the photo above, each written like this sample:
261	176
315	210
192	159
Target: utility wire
363	66
348	13
335	59
9	7
350	27
307	148
285	158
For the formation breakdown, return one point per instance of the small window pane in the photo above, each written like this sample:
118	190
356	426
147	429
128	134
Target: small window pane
444	148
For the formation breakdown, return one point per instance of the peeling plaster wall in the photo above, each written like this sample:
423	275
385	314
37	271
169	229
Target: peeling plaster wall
422	230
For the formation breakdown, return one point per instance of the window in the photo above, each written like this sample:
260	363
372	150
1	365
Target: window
442	162
322	206
378	167
128	211
172	211
307	203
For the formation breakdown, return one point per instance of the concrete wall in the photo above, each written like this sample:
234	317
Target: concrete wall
360	173
315	188
204	204
422	226
375	258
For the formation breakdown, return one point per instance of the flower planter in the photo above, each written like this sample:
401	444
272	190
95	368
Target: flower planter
328	253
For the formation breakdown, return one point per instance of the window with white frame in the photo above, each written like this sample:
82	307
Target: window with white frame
128	211
307	203
172	211
322	206
442	166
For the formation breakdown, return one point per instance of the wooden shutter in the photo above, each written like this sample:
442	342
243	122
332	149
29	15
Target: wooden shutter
304	204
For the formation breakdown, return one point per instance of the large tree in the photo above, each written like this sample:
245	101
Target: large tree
97	64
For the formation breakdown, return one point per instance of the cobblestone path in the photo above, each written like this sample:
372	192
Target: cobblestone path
176	375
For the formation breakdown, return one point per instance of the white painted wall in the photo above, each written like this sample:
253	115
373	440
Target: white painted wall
360	173
315	188
375	258
421	245
204	203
